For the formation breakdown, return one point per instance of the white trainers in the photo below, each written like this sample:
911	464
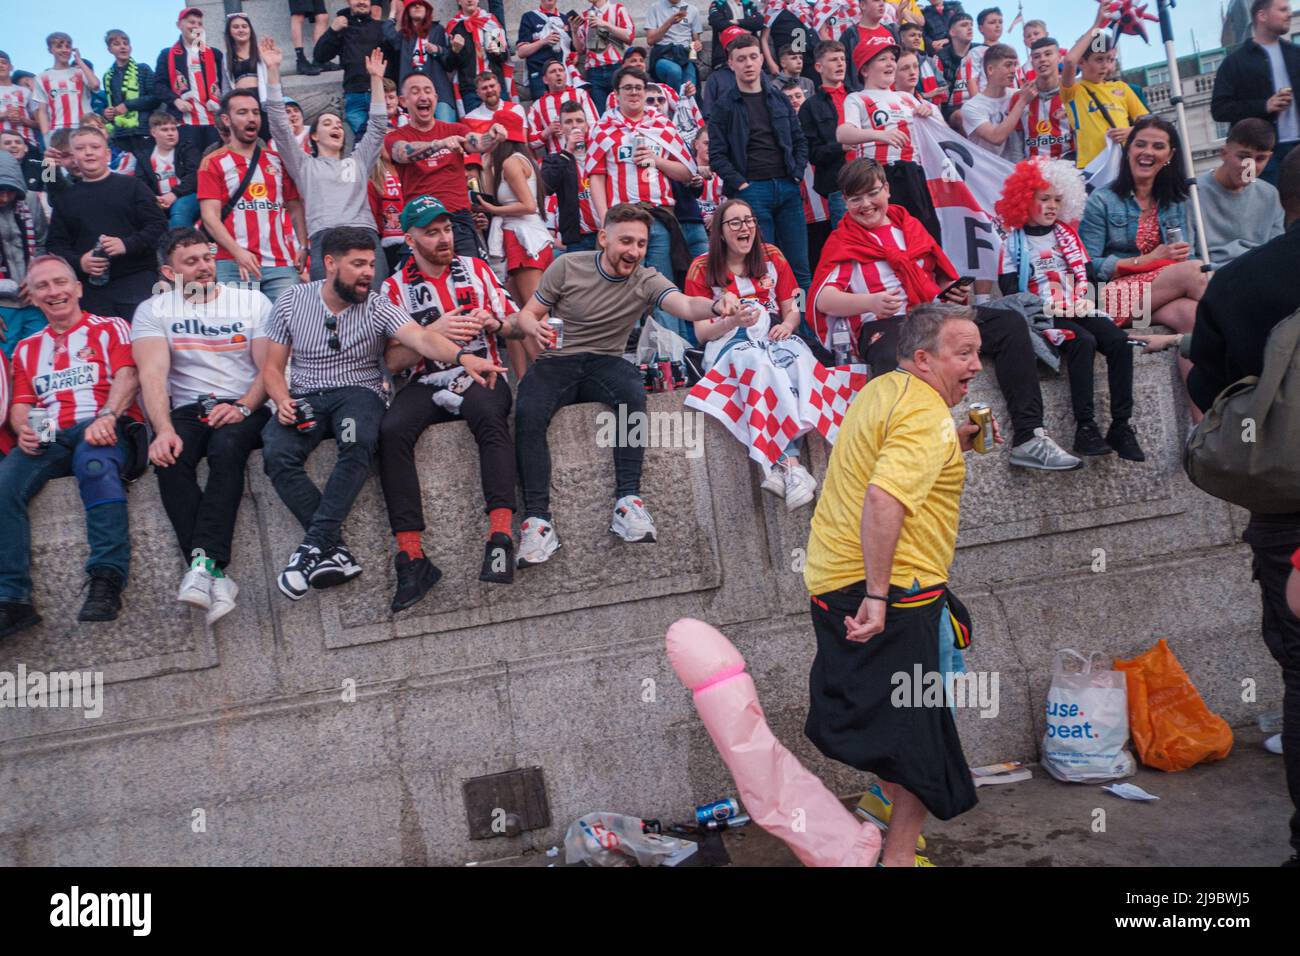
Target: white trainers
1274	744
224	592
537	542
800	487
776	479
1044	454
196	588
631	521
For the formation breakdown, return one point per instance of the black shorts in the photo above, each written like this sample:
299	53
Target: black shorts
307	8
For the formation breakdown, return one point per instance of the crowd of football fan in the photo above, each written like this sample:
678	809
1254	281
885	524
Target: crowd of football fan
483	227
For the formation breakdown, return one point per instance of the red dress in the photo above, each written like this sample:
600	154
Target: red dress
1124	298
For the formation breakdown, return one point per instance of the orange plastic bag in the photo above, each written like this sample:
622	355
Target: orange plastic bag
1171	726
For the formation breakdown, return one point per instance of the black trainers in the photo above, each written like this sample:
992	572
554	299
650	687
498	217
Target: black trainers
105	597
498	559
335	568
1088	440
16	616
414	578
1124	440
306	67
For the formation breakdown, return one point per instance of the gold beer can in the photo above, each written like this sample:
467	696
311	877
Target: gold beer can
982	416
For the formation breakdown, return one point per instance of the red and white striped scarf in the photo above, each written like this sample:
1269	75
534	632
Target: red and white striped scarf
475	25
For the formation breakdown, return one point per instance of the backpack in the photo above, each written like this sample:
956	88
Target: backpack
1247	448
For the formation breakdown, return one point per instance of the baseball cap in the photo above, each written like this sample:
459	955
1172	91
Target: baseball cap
290	101
870	48
730	34
421	211
189	11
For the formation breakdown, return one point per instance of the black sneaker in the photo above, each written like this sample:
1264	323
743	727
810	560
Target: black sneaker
1088	440
1124	440
414	578
331	67
105	597
16	616
306	67
293	580
498	559
335	568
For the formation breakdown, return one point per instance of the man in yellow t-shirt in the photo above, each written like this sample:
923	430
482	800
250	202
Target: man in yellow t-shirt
883	537
1092	98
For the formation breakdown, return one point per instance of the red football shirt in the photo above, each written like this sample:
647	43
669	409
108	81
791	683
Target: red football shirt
441	175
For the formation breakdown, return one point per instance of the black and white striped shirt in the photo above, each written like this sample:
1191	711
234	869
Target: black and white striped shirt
298	321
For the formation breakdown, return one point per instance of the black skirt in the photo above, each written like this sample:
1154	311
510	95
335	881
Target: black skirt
852	715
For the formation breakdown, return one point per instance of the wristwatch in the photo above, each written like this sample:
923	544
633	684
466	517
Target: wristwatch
243	409
106	413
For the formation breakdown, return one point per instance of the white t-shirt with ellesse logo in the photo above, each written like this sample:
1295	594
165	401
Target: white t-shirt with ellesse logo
210	342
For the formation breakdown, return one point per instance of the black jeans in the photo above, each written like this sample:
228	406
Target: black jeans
466	237
204	518
1273	539
1093	334
908	188
486	411
553	383
351	416
1004	337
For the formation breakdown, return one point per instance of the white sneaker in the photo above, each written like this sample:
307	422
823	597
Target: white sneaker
1044	454
775	481
800	487
537	542
1274	744
224	592
196	588
631	521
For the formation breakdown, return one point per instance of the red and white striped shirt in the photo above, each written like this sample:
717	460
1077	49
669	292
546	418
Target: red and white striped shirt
1050	275
164	170
260	220
710	198
16	95
425	300
546	111
930	79
609	153
586	214
863	278
70	375
199	93
883	110
967	83
815	207
615	15
1046	127
65	95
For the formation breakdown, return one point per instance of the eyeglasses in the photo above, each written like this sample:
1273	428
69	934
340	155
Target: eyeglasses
632	88
735	225
332	324
861	199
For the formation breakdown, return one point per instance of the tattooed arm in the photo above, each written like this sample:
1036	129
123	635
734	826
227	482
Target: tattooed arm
412	151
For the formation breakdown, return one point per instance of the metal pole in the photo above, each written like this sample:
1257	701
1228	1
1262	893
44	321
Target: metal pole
1180	117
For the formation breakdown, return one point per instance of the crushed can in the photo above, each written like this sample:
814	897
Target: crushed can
305	415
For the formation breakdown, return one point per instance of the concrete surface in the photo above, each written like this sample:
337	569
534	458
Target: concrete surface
251	722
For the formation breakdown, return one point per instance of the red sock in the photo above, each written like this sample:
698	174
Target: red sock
499	521
409	542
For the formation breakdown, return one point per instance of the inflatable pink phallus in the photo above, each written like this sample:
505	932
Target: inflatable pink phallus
776	790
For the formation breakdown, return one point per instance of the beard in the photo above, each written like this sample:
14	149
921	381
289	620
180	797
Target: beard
353	293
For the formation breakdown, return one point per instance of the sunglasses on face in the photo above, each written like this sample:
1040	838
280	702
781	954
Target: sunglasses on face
332	324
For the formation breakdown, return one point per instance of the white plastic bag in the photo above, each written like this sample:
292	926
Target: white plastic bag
613	839
659	344
1087	722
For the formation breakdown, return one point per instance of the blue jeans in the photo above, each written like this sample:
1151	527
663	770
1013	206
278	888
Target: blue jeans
669	72
697	238
20	323
836	207
778	207
445	112
349	411
601	81
356	109
584	243
1274	167
184	211
658	256
22	476
275	279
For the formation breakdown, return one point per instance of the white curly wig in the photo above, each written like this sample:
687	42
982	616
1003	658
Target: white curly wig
1062	175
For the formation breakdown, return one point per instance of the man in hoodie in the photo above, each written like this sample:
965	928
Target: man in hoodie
353	34
22	239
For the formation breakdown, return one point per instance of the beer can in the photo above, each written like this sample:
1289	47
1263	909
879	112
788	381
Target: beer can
206	404
667	380
40	421
557	328
679	374
306	416
718	810
1175	235
648	375
982	416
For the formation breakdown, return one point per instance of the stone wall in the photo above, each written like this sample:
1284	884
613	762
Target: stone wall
247	721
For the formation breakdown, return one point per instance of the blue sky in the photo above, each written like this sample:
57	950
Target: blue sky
151	25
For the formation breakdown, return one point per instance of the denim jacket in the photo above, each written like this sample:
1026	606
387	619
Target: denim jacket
1109	229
